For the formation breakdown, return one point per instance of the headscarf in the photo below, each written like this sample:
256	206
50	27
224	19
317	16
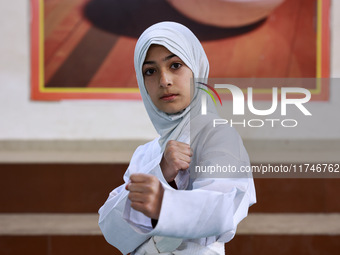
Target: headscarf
179	40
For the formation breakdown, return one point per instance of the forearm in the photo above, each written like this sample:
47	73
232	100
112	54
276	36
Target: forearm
117	230
203	212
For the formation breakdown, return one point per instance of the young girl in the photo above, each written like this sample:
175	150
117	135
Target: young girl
163	207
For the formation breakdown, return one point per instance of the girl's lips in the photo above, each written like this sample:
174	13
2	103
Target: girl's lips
169	97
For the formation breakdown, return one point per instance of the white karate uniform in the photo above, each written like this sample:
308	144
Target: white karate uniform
203	213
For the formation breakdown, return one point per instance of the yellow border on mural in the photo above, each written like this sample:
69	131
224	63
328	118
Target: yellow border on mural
136	90
319	40
318	48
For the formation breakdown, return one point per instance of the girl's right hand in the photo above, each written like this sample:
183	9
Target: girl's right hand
176	157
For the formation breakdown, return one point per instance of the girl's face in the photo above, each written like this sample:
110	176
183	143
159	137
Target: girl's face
167	80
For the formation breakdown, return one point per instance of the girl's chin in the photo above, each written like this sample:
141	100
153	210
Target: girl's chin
172	108
174	111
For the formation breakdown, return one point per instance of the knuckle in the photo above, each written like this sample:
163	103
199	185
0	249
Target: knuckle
172	142
172	156
177	163
150	190
146	190
133	205
172	145
148	208
153	190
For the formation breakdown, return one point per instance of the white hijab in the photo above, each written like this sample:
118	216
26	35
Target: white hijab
179	40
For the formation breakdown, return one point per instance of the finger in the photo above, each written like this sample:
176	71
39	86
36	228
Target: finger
186	151
145	188
174	142
180	160
175	147
137	197
184	158
138	187
185	147
138	206
178	145
183	166
140	177
127	185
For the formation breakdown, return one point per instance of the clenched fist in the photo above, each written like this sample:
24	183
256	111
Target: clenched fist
146	194
176	157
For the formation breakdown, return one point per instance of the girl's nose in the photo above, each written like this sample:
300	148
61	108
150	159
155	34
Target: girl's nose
165	79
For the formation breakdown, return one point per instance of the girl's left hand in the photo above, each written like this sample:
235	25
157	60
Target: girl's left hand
176	157
146	194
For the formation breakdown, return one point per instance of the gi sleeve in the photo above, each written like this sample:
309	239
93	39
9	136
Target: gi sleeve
121	226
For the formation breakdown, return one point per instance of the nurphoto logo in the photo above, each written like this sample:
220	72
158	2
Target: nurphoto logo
239	105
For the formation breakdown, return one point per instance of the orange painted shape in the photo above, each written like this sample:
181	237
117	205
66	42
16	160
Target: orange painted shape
59	13
63	30
117	70
35	35
66	49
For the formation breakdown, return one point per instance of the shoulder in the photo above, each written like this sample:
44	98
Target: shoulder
152	145
144	154
215	138
213	127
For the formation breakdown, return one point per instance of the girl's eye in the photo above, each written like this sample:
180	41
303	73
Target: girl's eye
149	71
176	65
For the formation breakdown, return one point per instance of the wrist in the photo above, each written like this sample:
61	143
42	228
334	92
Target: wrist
164	166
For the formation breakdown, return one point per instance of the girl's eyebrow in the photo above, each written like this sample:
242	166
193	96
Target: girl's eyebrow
169	57
164	59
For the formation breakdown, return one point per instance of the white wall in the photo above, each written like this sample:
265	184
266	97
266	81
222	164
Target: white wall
30	129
